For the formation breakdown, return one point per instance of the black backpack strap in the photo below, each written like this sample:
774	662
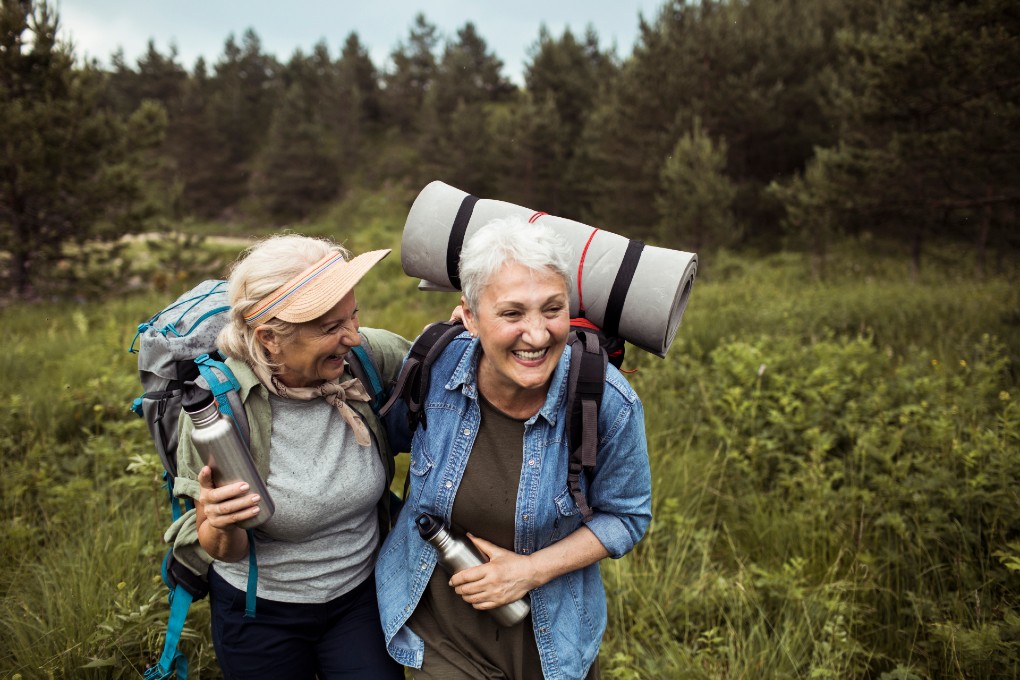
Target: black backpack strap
413	381
584	397
176	574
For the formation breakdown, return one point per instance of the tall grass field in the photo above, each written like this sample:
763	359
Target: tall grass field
835	469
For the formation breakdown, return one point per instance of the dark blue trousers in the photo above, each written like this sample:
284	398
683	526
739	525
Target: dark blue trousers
338	639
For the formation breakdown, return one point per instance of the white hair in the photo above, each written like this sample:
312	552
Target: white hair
260	270
510	239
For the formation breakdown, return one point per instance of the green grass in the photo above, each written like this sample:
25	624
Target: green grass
834	471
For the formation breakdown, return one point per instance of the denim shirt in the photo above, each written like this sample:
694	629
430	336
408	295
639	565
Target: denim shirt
569	612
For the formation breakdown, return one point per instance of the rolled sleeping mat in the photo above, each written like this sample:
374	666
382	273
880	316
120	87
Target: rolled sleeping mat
631	290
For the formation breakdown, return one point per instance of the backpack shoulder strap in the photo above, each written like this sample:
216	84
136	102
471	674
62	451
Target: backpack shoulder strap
363	368
221	382
588	360
413	381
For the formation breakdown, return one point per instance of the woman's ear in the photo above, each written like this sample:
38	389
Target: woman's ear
267	338
470	323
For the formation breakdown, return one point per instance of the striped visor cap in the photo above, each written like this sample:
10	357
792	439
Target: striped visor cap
316	290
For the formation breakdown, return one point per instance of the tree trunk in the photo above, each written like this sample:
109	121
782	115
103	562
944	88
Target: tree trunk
20	250
982	242
818	256
984	227
916	246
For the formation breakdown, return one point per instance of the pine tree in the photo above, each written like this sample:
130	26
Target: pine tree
358	120
750	71
571	75
570	72
201	150
529	154
695	203
456	140
928	106
296	172
468	74
243	93
359	81
460	151
410	76
156	77
69	172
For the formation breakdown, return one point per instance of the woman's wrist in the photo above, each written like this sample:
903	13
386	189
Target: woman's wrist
228	544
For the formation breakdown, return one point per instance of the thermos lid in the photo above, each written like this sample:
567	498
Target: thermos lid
428	526
195	399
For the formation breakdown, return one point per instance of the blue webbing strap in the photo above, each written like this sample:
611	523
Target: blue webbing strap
173	660
253	578
171	327
175	504
368	367
220	388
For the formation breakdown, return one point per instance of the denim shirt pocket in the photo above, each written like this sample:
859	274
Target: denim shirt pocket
568	517
419	467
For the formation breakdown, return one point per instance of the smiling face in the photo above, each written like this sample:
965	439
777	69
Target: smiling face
315	354
522	320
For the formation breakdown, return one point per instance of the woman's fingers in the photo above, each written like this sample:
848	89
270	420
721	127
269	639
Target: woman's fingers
497	582
225	515
214	494
490	550
228	504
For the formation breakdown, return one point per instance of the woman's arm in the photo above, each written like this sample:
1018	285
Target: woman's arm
217	512
508	576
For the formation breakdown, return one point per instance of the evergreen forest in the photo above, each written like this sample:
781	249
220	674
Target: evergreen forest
748	125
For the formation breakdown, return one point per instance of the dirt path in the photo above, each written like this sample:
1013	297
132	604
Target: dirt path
240	241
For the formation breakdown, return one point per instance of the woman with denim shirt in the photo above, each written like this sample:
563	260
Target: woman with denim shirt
492	464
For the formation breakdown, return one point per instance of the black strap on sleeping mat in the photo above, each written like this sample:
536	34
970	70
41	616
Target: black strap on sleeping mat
618	293
456	242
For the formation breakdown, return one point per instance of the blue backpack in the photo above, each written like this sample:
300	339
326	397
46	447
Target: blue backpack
177	346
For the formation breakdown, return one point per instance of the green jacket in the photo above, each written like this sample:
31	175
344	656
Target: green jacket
387	351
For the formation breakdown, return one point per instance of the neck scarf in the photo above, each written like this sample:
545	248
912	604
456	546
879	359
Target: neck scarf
334	392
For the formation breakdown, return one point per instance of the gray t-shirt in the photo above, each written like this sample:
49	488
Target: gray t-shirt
321	541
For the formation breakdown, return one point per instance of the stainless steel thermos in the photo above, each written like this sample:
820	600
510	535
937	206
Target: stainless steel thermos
223	450
457	554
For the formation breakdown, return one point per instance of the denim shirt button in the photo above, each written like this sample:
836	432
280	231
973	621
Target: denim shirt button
524	517
449	485
531	462
466	432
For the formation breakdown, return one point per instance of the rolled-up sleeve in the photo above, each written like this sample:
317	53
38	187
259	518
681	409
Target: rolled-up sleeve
620	491
189	463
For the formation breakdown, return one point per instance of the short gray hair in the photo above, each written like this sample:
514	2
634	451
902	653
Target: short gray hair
510	239
260	270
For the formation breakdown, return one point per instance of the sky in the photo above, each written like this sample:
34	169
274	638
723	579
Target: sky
97	28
